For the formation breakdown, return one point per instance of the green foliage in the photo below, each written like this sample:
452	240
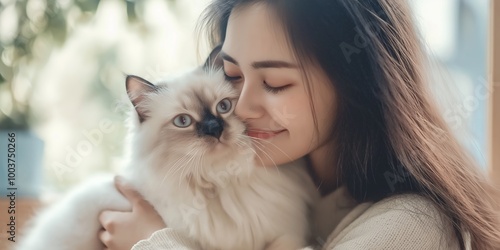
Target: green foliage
15	53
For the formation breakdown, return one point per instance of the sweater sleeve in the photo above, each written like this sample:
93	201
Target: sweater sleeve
169	238
412	224
166	238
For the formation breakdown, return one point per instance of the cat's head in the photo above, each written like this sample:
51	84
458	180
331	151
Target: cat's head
186	126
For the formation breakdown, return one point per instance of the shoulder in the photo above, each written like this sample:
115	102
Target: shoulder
407	221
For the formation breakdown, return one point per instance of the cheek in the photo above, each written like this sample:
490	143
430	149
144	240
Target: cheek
233	127
294	113
300	118
180	140
325	114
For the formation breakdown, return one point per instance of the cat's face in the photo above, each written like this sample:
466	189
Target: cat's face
186	125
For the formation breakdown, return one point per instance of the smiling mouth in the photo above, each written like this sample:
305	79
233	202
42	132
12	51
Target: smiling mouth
260	134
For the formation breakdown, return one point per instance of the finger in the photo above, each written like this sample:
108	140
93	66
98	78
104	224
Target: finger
127	190
105	238
107	220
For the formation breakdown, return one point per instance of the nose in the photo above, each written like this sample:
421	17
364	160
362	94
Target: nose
211	126
248	105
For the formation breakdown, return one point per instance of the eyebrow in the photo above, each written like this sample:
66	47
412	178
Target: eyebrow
260	64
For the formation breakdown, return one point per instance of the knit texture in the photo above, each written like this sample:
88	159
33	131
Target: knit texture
166	238
399	222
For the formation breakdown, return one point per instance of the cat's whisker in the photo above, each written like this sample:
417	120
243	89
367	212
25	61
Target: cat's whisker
173	168
182	168
197	163
259	146
249	145
246	144
185	155
242	143
186	165
180	159
194	167
274	145
255	152
178	163
198	166
162	155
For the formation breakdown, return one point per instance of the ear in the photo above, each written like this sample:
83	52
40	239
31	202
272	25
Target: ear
214	61
137	89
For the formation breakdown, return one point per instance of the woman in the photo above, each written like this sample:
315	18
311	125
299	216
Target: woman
342	83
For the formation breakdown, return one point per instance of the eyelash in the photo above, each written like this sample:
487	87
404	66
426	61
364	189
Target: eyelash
274	90
231	78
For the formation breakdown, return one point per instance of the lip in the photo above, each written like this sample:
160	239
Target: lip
262	134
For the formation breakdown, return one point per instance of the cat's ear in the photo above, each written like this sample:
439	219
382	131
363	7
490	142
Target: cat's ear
214	61
137	89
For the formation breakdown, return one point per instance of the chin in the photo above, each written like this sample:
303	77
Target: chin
220	151
263	161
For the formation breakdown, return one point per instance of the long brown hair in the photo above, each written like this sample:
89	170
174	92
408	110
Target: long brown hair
390	137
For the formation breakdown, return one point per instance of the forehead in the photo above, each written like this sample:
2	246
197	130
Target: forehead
255	33
198	91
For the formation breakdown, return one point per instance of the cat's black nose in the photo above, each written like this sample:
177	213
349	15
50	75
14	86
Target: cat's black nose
212	126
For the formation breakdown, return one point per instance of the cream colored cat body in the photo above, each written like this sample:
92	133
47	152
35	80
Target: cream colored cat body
190	158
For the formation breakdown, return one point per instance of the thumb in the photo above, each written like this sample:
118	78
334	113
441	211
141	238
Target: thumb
127	190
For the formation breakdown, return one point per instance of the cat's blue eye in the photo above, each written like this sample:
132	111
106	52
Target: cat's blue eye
224	106
183	121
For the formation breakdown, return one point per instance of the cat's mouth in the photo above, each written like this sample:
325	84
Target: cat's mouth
223	141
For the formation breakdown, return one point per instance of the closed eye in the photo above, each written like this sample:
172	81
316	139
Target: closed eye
231	78
275	90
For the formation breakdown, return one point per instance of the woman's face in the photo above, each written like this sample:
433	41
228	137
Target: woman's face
273	100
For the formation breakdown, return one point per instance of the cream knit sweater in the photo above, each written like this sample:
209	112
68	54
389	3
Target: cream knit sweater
400	222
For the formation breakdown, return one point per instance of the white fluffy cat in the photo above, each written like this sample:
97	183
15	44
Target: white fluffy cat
191	159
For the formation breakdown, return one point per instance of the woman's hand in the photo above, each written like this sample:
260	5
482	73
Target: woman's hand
121	230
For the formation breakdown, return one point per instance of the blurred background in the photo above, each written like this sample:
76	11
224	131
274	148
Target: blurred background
62	66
